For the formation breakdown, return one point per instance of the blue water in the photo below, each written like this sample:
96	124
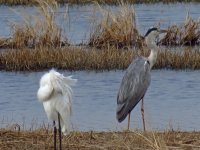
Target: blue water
77	25
172	101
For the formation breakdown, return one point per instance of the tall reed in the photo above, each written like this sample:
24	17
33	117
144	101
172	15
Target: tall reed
38	29
85	2
187	33
116	29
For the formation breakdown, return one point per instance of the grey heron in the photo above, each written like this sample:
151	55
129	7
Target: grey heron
137	79
56	95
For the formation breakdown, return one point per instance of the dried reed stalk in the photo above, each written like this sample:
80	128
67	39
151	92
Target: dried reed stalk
151	140
187	33
38	30
81	59
85	2
116	29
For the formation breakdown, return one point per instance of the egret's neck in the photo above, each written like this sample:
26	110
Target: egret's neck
151	44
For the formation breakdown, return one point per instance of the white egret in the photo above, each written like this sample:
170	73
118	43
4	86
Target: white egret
56	95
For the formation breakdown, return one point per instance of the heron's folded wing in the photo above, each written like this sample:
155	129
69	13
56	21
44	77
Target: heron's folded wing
133	87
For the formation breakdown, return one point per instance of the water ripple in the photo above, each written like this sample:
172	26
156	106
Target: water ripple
172	98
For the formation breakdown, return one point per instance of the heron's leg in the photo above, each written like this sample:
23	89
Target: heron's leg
55	131
142	111
129	118
59	130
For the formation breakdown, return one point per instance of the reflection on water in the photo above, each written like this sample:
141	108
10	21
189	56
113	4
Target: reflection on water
77	25
172	99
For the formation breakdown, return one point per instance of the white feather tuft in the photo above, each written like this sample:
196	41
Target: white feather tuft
56	95
53	81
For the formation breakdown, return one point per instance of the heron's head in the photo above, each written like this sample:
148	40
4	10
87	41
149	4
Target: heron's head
152	36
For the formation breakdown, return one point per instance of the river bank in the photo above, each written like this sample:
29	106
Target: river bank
43	139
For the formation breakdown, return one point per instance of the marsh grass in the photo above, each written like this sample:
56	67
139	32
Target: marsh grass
24	2
5	43
73	58
187	33
152	140
85	2
116	29
68	58
37	30
187	59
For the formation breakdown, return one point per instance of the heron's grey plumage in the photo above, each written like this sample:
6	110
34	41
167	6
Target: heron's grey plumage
133	86
137	79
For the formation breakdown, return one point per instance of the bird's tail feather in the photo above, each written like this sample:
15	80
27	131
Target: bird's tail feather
121	113
124	109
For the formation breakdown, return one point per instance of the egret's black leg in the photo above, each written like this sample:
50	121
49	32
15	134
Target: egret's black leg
129	118
142	111
55	132
59	129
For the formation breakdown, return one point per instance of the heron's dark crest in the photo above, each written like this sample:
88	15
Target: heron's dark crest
150	30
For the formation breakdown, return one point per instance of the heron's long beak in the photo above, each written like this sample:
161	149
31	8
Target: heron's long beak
162	31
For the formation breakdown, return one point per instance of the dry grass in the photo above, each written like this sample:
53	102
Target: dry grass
187	33
85	2
43	139
116	29
38	29
23	2
72	58
186	59
68	58
116	2
5	43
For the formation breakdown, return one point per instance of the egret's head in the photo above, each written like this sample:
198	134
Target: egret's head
152	36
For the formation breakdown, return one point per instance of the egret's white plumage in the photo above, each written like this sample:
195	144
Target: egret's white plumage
56	95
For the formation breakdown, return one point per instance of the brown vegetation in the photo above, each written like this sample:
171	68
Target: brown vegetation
72	58
185	59
43	139
5	43
187	33
115	35
38	29
85	2
66	58
116	29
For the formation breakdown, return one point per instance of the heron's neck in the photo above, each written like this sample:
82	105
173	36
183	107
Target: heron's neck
152	57
154	52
